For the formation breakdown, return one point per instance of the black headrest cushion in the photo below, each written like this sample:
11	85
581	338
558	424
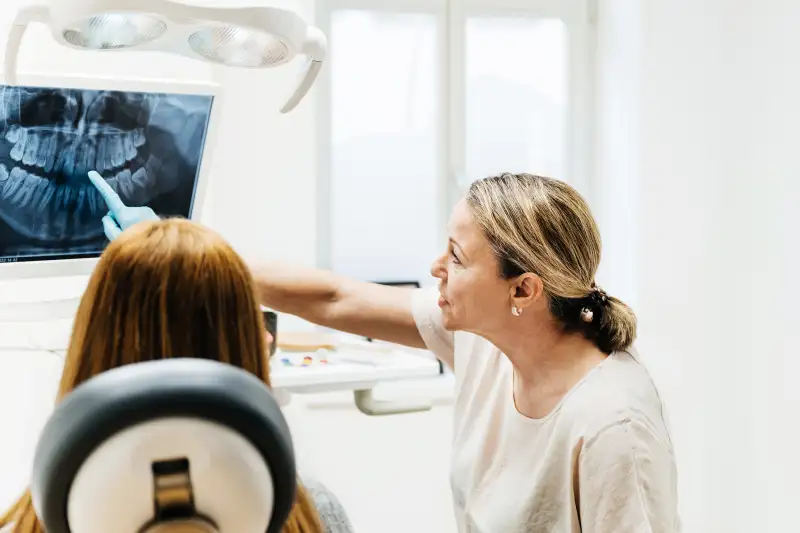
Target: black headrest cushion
136	393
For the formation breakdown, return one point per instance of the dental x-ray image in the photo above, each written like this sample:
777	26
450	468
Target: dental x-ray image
147	146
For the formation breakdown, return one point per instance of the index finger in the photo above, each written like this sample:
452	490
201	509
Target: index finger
112	199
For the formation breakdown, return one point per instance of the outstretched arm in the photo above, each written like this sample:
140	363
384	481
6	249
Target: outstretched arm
324	298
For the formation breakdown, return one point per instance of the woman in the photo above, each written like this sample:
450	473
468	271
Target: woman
558	426
166	289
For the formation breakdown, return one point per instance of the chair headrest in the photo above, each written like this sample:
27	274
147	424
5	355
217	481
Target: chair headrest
167	440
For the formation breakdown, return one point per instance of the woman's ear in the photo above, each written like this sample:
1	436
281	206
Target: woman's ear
526	290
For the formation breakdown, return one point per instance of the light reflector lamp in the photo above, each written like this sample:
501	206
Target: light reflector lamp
243	37
114	30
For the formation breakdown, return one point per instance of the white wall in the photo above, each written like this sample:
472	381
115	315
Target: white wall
618	59
698	132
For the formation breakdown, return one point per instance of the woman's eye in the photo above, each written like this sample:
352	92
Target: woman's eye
455	259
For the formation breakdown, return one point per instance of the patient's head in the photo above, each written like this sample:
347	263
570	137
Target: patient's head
170	288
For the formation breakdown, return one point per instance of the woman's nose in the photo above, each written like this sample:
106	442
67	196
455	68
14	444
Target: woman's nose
438	269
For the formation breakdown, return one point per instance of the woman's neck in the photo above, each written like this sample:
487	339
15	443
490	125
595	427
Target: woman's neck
547	363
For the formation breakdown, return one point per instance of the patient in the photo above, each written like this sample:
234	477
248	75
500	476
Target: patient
173	288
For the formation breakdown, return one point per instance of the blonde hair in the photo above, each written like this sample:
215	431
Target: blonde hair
169	288
543	226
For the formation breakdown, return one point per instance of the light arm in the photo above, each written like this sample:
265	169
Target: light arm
15	35
315	48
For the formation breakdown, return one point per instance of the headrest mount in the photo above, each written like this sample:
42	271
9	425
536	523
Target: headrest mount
173	499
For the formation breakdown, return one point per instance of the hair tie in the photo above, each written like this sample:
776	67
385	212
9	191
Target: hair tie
598	297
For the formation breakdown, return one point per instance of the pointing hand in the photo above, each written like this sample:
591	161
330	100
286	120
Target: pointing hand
120	217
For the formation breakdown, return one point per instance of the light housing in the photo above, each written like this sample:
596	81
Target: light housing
243	37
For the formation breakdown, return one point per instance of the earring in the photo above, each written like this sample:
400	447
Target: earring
515	311
587	315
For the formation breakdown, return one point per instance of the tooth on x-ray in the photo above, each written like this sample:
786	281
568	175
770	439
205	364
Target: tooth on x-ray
147	146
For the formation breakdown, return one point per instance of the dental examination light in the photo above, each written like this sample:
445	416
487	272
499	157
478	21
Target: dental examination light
246	37
177	445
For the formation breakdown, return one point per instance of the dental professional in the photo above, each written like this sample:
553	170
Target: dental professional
558	426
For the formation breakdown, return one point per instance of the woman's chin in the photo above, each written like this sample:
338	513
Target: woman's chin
448	321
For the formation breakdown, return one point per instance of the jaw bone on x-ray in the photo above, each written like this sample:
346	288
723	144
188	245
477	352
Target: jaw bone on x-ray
147	146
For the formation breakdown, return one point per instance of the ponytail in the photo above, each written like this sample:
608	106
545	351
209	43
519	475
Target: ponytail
602	319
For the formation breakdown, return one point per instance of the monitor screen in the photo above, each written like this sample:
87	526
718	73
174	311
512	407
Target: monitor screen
148	146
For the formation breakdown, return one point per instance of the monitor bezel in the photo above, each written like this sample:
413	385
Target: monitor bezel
84	266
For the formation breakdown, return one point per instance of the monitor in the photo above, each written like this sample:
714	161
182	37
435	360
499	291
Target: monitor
150	140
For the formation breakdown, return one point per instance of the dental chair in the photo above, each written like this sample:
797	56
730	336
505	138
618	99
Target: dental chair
169	446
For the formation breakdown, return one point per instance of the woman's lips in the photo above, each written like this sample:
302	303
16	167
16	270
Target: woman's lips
442	302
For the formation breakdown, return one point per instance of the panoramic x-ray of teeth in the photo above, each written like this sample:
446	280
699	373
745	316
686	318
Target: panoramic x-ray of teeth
147	146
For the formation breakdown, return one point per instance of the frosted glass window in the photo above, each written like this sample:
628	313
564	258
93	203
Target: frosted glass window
516	96
385	149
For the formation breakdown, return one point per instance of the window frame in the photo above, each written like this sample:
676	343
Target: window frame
579	16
